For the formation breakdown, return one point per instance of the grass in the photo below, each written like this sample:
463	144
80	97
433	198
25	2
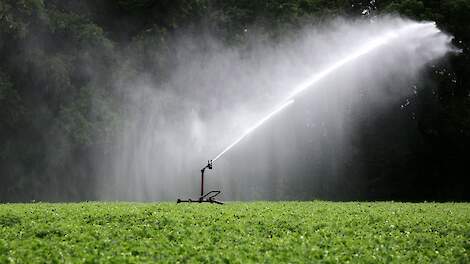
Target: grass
259	232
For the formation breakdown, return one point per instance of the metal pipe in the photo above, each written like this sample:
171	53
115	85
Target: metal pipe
202	181
208	166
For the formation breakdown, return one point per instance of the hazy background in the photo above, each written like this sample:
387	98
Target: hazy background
128	100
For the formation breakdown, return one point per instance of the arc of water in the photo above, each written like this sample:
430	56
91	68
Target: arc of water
370	46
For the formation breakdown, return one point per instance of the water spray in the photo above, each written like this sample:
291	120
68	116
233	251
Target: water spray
367	48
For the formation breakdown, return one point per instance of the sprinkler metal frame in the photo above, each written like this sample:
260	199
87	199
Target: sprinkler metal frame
204	198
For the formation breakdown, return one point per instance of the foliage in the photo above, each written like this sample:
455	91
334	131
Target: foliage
15	16
295	232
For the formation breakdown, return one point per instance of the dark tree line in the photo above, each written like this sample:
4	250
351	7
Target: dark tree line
59	108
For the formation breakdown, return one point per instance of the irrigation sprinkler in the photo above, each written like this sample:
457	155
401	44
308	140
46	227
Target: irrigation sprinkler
204	198
209	197
368	47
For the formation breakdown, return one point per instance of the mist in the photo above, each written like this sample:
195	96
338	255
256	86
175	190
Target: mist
214	92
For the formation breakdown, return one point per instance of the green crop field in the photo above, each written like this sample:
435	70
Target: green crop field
268	232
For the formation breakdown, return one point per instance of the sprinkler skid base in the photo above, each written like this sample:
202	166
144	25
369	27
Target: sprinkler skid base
204	198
